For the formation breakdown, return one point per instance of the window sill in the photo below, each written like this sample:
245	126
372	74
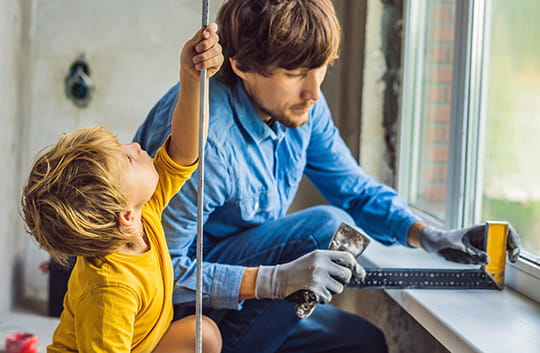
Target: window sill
462	320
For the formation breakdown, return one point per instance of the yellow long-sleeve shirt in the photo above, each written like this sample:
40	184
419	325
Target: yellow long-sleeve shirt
125	303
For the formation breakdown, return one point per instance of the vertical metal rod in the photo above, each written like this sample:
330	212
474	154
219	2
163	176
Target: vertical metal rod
200	196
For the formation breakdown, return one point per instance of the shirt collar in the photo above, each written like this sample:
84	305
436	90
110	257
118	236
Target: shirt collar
250	119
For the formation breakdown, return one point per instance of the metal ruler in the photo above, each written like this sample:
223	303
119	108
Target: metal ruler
409	278
353	240
491	276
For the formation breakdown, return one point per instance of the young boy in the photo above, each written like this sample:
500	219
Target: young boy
90	197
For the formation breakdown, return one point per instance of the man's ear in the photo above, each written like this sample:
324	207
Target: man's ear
127	218
236	70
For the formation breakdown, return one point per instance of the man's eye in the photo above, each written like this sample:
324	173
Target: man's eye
296	74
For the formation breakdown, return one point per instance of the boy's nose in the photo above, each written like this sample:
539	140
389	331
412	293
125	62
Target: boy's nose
136	145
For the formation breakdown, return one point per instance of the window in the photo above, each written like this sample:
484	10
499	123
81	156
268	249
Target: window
511	166
470	120
428	126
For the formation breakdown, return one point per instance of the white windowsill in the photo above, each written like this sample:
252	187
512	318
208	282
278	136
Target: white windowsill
462	320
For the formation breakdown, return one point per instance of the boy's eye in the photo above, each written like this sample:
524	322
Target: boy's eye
129	158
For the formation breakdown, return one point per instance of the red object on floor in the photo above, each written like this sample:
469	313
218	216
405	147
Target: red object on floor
21	342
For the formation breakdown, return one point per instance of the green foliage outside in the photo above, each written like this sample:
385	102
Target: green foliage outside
512	142
524	216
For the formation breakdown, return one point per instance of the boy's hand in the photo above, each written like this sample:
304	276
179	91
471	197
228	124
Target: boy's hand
201	52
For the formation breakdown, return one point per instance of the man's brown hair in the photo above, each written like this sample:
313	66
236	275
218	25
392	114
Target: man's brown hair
73	196
290	34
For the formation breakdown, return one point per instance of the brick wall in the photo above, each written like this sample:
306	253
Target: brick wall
436	105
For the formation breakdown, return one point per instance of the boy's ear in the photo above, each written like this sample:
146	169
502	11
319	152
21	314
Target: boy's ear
127	218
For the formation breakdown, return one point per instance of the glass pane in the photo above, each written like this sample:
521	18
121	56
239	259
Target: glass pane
511	182
435	108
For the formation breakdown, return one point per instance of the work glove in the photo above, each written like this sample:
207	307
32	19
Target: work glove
324	272
465	245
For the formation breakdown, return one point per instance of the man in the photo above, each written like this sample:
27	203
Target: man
269	125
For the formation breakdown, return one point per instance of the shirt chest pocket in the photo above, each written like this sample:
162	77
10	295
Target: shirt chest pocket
259	206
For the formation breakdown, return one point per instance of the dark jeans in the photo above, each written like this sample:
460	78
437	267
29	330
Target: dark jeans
268	326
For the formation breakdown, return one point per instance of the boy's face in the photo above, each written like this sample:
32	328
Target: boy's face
285	95
139	175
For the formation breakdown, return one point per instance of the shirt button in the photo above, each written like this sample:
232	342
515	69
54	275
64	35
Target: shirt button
256	206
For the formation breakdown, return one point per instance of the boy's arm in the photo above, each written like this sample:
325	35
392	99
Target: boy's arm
200	52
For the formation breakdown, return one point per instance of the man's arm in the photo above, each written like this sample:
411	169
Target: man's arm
413	237
375	207
247	288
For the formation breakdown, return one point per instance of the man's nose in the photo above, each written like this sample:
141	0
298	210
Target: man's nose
311	89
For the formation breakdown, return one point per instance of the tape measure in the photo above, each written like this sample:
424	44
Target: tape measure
353	240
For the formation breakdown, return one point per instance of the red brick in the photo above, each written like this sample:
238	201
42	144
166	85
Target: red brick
440	73
440	113
436	153
431	173
444	173
439	54
434	193
446	133
451	11
448	92
436	94
433	133
439	93
440	13
443	34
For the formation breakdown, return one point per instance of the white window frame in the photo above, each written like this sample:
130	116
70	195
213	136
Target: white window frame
463	204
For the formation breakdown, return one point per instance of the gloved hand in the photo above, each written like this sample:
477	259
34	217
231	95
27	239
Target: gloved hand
465	245
324	272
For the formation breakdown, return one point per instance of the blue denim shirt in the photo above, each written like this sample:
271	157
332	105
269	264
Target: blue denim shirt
252	173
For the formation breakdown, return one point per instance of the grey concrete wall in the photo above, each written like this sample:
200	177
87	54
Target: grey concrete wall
403	333
132	47
10	56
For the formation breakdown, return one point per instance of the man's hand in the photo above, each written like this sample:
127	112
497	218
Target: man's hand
203	51
465	245
324	272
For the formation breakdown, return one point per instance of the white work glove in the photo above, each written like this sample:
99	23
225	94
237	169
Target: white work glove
324	272
464	245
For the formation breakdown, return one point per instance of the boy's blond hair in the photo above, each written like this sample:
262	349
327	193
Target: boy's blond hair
73	196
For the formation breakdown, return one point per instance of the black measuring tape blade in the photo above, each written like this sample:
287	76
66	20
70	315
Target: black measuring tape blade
407	278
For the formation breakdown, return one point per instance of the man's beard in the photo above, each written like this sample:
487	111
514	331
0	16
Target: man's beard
280	116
